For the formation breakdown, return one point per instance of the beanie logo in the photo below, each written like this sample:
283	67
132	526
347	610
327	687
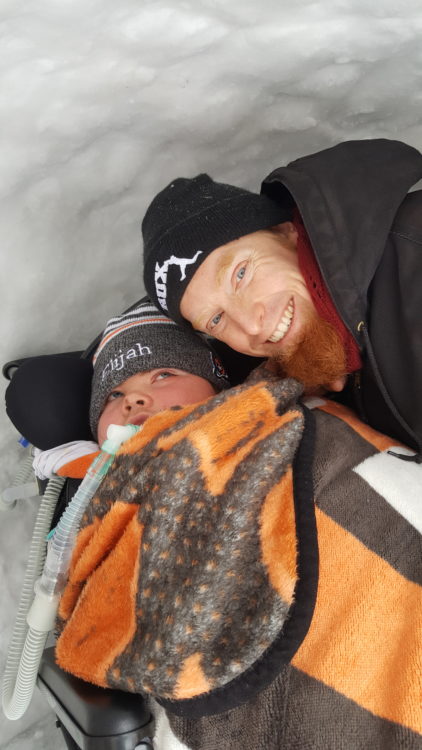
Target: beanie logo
218	367
160	276
118	363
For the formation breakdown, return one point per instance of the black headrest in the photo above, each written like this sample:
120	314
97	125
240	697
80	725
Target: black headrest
48	399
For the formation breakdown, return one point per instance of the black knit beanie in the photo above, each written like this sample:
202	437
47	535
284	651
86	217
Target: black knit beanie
187	221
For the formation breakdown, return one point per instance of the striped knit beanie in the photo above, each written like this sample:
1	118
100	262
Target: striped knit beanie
187	221
143	339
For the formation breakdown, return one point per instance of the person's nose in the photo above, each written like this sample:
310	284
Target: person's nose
250	318
137	399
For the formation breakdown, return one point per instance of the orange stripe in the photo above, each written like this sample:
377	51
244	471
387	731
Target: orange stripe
77	468
278	537
220	446
220	458
191	681
213	435
73	588
375	438
104	619
109	530
365	639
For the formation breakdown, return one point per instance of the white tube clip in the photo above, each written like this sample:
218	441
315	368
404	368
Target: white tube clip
9	496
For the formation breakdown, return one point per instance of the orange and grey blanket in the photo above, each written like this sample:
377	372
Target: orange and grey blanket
256	568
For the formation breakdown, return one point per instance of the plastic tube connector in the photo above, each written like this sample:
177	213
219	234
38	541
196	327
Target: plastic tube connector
9	496
42	613
118	434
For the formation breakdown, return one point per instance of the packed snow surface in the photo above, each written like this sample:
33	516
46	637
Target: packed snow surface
104	103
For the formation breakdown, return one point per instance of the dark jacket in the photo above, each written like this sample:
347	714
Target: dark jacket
366	232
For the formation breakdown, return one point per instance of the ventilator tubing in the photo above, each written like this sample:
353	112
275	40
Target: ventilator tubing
36	616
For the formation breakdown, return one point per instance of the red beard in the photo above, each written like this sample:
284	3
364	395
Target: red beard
316	360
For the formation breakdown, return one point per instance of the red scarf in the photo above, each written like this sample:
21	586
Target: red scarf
321	298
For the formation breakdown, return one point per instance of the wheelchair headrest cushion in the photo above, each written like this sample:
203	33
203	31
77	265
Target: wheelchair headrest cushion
48	400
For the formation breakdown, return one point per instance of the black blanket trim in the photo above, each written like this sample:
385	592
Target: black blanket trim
247	685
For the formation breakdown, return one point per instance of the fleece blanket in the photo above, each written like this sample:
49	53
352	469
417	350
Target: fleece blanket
255	569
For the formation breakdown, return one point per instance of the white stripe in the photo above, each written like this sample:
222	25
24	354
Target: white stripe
133	315
164	739
312	402
399	482
140	322
147	308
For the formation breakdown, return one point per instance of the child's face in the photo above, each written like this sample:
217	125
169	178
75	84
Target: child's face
147	393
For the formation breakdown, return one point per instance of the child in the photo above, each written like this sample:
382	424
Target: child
144	364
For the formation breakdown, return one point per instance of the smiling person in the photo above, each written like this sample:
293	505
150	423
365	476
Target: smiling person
321	273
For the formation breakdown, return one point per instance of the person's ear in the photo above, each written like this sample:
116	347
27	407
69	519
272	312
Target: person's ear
337	384
287	231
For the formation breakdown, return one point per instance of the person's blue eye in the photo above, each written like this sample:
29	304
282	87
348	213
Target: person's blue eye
165	374
240	273
215	320
113	395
